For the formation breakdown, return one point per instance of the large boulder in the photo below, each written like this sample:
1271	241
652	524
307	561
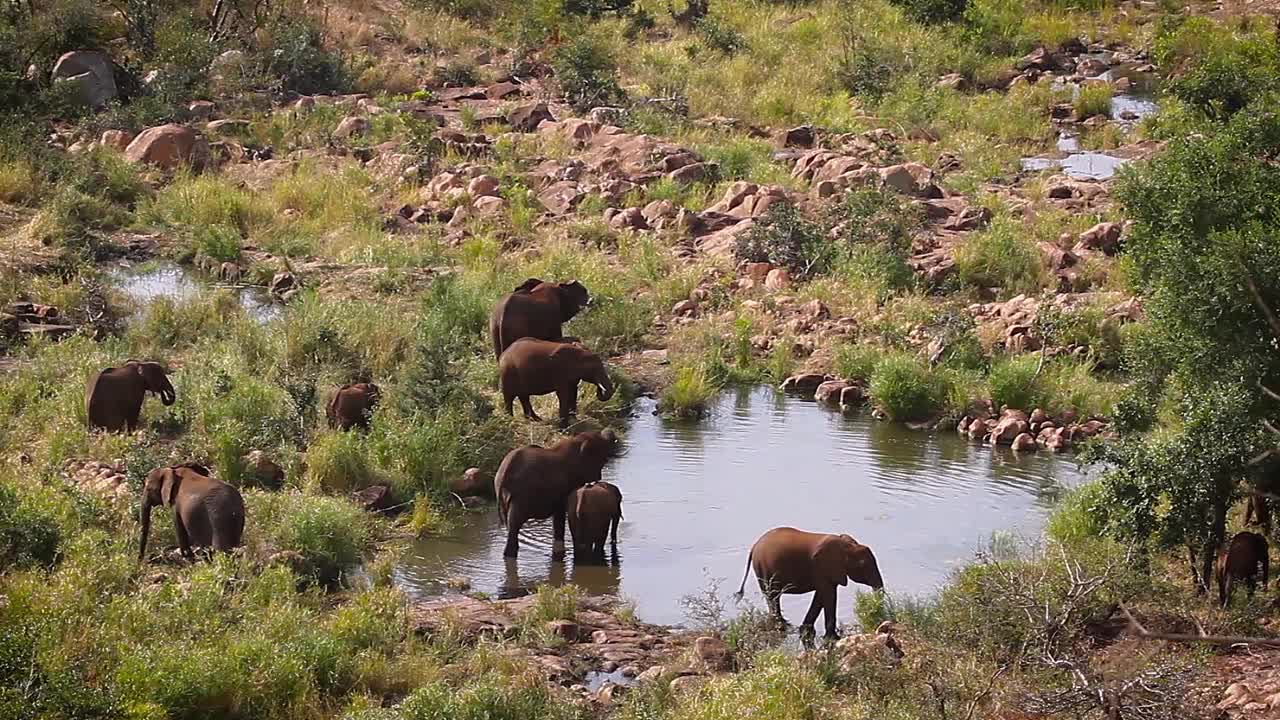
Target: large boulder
804	384
713	654
375	498
472	483
527	117
1103	236
831	392
796	137
1012	424
910	179
168	147
92	75
263	469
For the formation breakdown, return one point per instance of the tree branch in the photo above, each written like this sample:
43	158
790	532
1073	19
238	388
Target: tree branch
1145	634
1272	320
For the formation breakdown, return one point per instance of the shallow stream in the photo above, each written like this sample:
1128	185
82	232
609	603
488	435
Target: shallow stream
148	281
697	495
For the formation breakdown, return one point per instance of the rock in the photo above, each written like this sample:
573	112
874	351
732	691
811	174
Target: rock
92	74
472	483
526	117
1038	416
804	384
263	469
1103	236
651	674
607	115
489	205
687	683
630	671
778	279
483	185
758	271
608	693
954	81
228	126
628	219
118	139
814	310
566	630
797	137
200	110
304	105
375	498
1024	442
284	284
168	147
352	126
561	198
713	654
911	179
830	392
685	308
227	61
971	218
608	666
1011	424
851	398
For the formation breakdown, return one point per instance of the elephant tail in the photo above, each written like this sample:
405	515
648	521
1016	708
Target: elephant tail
743	587
504	503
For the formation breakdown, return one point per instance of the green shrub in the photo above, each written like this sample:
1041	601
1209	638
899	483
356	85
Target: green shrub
331	535
1216	69
596	9
933	11
298	61
28	535
1002	256
1093	99
218	242
905	388
337	462
1013	383
689	393
719	36
373	620
786	238
586	71
856	361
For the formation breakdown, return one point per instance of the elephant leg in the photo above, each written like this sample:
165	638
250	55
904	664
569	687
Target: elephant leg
811	617
773	599
515	519
829	611
613	531
508	401
557	535
184	540
528	409
568	403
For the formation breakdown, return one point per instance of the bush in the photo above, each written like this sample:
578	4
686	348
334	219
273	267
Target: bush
299	62
719	36
1216	69
331	535
905	388
689	394
587	73
932	12
218	242
1093	99
28	536
1013	383
785	238
19	182
1002	256
337	462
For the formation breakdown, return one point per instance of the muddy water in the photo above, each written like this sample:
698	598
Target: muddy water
149	281
697	495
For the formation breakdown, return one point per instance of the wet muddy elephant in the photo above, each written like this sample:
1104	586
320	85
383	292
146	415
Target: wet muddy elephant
594	512
1240	561
794	562
536	309
538	367
352	405
206	512
113	397
533	482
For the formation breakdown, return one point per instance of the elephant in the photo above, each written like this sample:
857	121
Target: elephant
791	561
113	397
206	512
352	405
537	367
535	309
1258	510
1239	561
533	482
594	512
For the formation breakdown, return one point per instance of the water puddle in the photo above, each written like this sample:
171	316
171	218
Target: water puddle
1079	165
152	280
596	679
698	495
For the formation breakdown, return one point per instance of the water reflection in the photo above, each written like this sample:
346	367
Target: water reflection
696	495
145	283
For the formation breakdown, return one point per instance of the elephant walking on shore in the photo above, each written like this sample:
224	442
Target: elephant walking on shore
206	512
794	562
113	397
535	309
533	483
538	367
1240	561
594	512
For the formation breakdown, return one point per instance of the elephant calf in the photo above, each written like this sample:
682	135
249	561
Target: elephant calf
352	405
206	512
594	512
1240	561
538	367
113	397
795	562
534	483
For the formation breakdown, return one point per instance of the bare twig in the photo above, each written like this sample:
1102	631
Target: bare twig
991	683
1258	300
1146	634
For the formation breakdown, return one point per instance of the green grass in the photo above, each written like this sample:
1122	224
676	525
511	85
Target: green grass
1002	256
905	388
19	182
1093	99
689	393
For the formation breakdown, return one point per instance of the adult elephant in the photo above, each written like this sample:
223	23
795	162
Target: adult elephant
533	482
594	512
536	309
538	367
795	562
352	405
206	512
113	397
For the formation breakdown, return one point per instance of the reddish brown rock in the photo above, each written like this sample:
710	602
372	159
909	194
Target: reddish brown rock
168	147
778	279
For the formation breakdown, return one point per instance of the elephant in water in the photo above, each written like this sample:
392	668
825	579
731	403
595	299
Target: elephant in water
594	512
536	309
795	562
113	397
352	405
206	512
533	483
537	367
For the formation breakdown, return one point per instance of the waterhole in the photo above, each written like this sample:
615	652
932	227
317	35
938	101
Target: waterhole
146	282
697	495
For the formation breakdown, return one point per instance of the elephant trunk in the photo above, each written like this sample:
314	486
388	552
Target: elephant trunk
604	386
146	528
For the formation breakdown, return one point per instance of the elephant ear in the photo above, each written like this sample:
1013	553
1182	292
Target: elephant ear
831	560
169	485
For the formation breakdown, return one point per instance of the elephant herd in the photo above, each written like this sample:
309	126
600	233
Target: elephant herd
561	482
